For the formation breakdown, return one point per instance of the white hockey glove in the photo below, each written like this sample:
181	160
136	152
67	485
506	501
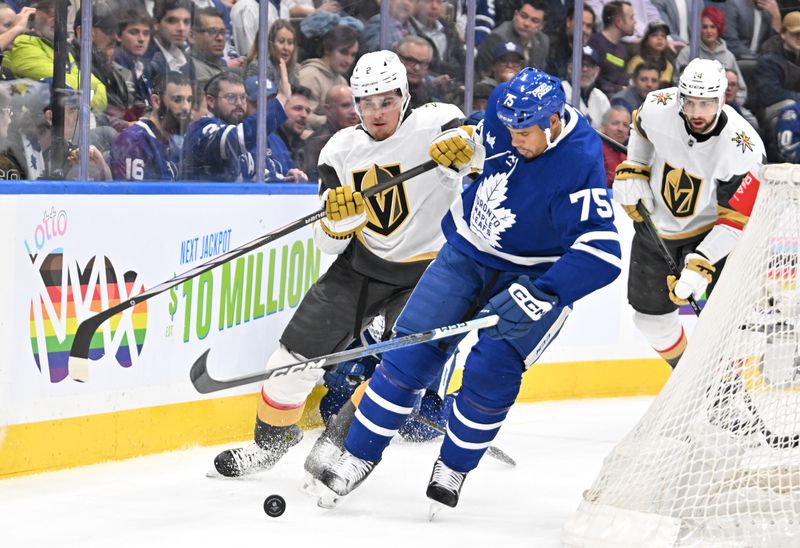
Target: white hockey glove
631	186
458	151
695	277
345	212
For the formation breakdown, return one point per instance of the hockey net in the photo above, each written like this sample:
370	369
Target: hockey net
715	461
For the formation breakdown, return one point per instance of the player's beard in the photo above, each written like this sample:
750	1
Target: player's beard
171	124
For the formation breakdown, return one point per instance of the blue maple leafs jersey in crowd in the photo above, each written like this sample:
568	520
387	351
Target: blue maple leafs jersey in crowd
549	217
138	155
787	129
216	151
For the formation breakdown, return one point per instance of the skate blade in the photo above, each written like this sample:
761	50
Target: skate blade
434	509
319	491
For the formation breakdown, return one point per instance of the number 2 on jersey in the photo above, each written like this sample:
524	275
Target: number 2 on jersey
589	195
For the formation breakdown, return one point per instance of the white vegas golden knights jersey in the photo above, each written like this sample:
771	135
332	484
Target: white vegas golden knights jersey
686	171
404	222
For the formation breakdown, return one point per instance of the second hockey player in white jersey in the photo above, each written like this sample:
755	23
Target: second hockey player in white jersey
383	243
687	155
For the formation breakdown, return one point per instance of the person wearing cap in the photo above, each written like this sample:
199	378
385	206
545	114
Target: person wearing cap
32	56
653	48
594	102
777	74
712	46
508	58
147	150
279	164
524	29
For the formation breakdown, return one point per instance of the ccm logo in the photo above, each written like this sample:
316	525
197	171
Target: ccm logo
533	307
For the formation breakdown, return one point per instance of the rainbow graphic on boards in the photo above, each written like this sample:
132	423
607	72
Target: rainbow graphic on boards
67	295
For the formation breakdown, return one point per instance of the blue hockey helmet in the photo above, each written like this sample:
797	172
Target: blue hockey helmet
531	98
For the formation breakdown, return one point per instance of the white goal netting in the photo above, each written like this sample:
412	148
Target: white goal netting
715	462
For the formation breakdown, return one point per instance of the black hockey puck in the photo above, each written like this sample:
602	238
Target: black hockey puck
274	506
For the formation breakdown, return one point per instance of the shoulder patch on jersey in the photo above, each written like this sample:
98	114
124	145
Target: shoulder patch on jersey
661	98
743	141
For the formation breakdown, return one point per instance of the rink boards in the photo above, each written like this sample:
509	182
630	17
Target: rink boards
72	250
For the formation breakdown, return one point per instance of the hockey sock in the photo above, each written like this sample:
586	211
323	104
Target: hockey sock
471	428
279	414
384	407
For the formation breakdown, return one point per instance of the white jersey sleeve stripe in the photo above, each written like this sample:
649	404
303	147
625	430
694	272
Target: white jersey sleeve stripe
223	150
372	427
607	257
597	235
465	444
386	404
472	424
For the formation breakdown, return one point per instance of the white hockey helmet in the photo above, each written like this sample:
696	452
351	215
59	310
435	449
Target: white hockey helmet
379	72
703	78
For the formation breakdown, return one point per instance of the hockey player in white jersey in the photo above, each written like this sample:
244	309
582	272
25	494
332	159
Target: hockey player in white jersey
688	153
383	244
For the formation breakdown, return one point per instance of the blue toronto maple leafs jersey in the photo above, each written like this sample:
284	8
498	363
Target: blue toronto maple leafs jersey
549	217
216	151
138	155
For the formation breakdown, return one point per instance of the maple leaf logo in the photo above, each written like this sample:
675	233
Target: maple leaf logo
487	218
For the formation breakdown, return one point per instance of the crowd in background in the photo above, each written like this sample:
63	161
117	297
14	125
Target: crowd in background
168	75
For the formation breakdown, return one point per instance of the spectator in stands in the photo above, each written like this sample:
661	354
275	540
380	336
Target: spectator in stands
643	10
653	48
616	124
279	164
341	113
207	39
168	46
618	22
10	169
340	46
777	73
220	145
525	29
416	53
244	20
399	25
593	102
561	42
787	131
480	97
301	8
294	131
731	93
508	60
748	24
123	108
32	55
644	80
712	21
448	51
484	19
133	39
675	13
281	44
147	150
31	137
12	24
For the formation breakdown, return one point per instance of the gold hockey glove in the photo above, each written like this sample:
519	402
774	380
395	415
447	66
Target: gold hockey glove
345	212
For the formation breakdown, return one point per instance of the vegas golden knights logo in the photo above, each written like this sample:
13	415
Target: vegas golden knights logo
387	210
680	190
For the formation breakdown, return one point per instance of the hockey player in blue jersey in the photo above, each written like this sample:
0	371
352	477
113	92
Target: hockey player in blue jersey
532	235
218	147
146	151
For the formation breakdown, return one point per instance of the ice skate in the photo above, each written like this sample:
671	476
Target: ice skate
346	474
328	447
444	487
272	443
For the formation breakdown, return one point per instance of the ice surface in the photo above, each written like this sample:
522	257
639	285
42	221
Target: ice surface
166	500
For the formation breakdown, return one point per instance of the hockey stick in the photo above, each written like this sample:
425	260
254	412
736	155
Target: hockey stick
205	384
492	451
78	364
